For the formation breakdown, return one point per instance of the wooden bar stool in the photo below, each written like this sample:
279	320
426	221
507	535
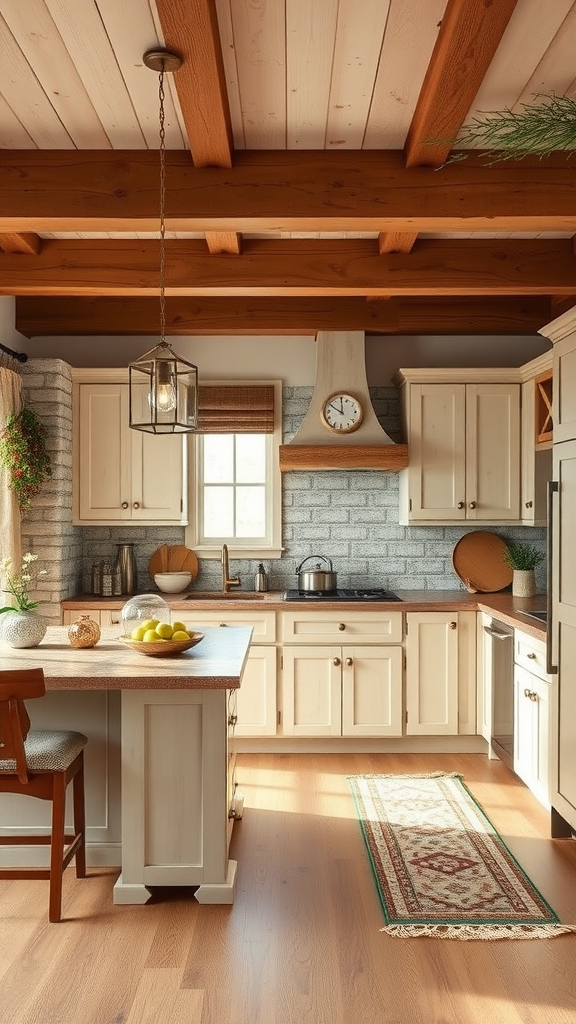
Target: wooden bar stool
41	763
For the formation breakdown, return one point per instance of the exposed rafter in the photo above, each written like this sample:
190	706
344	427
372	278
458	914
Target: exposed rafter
270	316
295	267
23	242
282	191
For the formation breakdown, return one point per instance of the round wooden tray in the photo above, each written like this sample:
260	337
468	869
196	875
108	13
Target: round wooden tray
478	560
173	558
161	648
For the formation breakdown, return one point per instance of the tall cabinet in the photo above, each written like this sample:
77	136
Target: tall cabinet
562	575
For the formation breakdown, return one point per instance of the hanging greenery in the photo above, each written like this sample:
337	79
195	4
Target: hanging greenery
23	453
538	129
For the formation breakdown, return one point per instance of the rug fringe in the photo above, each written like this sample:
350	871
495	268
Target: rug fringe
416	775
469	932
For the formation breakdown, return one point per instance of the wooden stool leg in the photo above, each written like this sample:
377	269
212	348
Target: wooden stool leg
57	846
80	818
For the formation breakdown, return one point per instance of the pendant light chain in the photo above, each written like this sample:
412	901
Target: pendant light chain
162	136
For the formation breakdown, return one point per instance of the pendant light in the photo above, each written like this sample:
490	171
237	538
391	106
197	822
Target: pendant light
163	387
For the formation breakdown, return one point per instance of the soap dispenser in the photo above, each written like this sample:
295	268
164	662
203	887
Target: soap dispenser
261	579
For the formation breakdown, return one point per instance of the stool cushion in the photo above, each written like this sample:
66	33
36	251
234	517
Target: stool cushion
48	750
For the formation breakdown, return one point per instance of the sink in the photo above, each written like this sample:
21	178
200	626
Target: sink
219	595
541	615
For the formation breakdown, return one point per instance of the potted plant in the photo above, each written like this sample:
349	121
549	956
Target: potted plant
523	559
24	454
20	623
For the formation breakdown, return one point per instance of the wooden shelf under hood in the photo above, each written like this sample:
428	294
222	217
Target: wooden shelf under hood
329	456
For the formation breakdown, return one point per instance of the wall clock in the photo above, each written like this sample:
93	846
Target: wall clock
342	412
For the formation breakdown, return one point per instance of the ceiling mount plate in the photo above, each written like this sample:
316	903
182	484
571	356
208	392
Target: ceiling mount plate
162	60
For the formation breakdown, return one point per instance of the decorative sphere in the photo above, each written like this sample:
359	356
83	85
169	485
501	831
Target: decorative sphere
84	632
142	608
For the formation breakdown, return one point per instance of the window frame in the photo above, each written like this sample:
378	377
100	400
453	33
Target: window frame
213	548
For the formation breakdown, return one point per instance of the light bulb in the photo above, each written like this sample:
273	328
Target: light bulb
164	391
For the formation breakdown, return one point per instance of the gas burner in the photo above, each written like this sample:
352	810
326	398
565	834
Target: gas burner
343	594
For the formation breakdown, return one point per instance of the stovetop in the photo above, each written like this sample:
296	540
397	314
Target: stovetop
342	594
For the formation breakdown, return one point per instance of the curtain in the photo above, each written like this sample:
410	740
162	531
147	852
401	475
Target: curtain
236	409
10	537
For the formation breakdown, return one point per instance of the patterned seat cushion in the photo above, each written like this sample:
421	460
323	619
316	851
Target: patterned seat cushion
48	750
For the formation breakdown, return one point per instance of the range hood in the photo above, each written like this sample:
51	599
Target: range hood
341	370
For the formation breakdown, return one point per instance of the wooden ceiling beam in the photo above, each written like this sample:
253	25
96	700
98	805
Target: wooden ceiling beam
264	316
395	241
294	267
468	39
190	28
273	191
224	241
23	242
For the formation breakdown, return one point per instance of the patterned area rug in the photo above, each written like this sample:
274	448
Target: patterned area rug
440	866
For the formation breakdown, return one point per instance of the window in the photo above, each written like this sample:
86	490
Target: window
235	484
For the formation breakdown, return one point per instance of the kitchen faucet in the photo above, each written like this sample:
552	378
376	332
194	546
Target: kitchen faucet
227	583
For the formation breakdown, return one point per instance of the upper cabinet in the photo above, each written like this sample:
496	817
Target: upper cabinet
122	475
537	430
463	433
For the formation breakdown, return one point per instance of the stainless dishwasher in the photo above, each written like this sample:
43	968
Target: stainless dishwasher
501	654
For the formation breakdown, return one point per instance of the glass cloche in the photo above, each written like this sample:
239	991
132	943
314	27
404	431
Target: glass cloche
143	608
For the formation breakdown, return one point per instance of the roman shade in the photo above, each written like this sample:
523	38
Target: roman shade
236	409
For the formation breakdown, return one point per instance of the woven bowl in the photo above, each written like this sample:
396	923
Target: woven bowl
161	648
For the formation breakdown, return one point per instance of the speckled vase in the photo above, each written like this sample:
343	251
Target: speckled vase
22	629
523	583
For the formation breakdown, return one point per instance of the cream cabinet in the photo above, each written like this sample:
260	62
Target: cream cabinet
440	673
464	446
122	475
536	439
342	673
532	715
255	711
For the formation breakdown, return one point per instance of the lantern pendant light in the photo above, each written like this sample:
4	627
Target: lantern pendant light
163	387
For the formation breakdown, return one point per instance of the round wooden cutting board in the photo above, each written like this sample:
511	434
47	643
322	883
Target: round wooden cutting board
478	560
173	558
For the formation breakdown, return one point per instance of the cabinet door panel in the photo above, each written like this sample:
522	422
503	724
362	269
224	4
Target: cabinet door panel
104	481
437	451
492	451
531	733
432	673
311	700
372	691
256	697
157	471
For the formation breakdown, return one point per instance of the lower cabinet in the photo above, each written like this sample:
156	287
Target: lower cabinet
531	732
342	691
440	673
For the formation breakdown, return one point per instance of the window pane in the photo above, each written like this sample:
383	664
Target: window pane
251	458
218	511
250	512
218	458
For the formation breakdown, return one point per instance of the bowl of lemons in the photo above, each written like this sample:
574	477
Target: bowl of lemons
160	639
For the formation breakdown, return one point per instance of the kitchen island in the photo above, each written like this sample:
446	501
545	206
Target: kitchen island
176	778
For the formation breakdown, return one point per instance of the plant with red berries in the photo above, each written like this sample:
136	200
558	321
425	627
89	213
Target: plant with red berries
23	452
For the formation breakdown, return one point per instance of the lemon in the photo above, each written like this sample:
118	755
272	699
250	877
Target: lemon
149	624
180	634
164	630
179	627
150	635
137	633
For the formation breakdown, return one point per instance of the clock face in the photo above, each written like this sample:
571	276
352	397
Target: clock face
342	413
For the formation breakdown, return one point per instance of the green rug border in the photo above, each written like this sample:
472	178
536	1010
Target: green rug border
424	921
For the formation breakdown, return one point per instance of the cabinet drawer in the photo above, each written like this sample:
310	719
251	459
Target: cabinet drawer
262	623
343	627
530	653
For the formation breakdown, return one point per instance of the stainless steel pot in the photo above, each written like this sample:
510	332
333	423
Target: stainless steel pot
317	579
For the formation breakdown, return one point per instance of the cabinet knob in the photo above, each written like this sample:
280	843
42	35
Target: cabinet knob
223	623
453	625
349	661
341	626
336	661
460	504
124	504
531	655
472	504
528	504
136	504
530	694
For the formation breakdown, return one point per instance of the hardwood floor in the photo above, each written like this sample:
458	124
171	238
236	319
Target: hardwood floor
302	942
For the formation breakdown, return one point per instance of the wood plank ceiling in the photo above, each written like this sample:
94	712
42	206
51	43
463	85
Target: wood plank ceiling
306	182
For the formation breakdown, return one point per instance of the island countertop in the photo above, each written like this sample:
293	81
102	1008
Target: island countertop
216	663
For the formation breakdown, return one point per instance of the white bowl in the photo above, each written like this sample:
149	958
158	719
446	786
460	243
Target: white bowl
172	582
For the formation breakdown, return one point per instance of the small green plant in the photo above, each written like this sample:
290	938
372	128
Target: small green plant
23	452
539	128
522	556
19	585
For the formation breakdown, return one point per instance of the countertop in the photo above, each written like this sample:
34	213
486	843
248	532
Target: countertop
502	605
216	663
